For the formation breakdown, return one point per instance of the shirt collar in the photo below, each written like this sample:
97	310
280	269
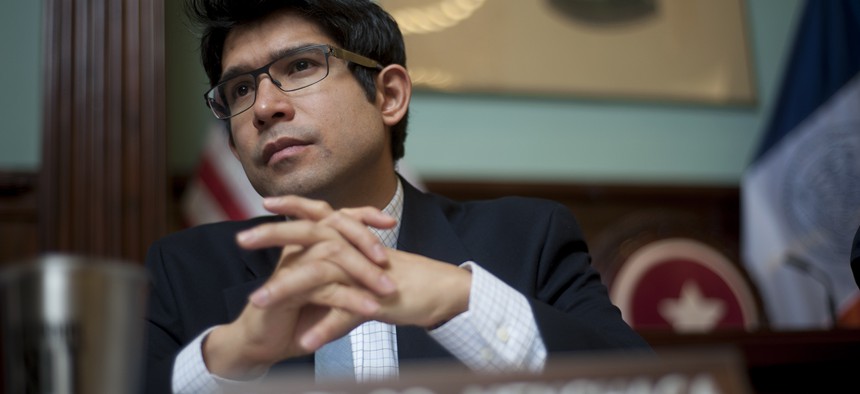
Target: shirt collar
395	210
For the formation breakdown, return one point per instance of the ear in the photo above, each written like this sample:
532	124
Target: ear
394	93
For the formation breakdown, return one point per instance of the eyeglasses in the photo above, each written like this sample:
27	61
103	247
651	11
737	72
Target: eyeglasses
296	70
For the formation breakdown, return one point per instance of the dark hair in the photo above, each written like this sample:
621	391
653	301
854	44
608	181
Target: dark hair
360	26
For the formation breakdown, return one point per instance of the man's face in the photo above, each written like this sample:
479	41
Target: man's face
326	141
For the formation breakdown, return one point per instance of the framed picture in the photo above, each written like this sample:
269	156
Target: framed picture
670	50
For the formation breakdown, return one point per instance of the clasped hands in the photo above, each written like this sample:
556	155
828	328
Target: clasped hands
333	275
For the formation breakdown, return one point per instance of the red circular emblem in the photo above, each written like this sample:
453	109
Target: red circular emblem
683	285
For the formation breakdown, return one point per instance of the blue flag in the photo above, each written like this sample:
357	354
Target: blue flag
801	193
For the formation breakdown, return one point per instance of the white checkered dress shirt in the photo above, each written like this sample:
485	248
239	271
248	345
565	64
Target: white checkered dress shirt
497	333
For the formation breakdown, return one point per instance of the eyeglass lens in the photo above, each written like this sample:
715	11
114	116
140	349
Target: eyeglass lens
294	71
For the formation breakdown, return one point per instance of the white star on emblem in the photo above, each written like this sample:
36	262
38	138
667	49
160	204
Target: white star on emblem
691	311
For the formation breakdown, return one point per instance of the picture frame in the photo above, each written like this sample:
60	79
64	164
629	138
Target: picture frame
666	50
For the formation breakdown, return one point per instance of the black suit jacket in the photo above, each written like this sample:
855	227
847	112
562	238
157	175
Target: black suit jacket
200	278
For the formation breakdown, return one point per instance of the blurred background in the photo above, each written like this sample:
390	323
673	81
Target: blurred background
709	159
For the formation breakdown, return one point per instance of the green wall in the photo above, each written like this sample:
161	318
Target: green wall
21	83
473	136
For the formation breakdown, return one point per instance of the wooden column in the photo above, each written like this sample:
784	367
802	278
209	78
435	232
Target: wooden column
103	188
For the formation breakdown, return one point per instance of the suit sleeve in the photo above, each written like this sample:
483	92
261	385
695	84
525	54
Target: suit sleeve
571	305
161	327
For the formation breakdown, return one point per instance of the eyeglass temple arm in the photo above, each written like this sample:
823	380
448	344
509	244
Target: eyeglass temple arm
355	58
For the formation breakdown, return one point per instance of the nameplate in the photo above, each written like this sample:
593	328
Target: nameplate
688	371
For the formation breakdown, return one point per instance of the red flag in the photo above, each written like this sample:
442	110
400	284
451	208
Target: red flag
219	189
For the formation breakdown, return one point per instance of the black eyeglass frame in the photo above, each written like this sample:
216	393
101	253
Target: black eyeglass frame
339	53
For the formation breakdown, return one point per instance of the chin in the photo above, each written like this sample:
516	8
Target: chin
292	186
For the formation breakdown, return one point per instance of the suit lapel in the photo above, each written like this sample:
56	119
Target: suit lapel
425	230
259	265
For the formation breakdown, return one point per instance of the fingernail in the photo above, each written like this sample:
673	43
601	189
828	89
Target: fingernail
386	284
379	253
260	297
271	200
370	306
310	341
245	236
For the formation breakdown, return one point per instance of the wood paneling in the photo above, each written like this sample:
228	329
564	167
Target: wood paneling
605	210
18	218
103	187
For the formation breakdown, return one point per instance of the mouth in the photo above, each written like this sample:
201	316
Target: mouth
282	148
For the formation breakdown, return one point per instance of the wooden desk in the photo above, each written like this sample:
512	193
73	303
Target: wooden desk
784	361
678	371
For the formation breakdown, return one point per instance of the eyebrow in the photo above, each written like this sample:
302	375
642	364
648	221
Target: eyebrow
240	69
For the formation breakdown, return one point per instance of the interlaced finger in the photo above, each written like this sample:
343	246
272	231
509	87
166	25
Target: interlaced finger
321	264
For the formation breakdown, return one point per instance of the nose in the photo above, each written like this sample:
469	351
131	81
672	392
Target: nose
271	104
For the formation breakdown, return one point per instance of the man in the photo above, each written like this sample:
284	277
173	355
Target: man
316	97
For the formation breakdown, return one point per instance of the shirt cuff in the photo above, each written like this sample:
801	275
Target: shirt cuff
190	374
498	332
189	370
